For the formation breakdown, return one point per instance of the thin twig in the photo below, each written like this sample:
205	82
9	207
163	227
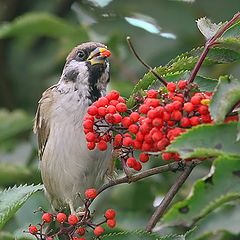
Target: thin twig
169	197
211	42
147	173
160	78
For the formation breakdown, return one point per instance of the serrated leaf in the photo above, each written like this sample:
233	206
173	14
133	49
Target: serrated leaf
232	32
13	198
185	62
38	24
226	95
224	218
13	123
206	141
140	234
207	28
220	186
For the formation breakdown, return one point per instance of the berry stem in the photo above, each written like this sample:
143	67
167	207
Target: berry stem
160	78
210	43
174	166
169	196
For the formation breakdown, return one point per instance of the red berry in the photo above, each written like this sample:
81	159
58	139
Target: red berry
137	166
169	108
102	145
157	136
80	231
117	118
166	116
117	140
88	124
137	144
121	107
177	105
146	146
121	99
144	108
114	103
90	137
185	122
111	109
109	118
82	238
171	87
113	95
188	107
98	231
182	84
111	223
131	161
176	115
91	145
194	120
126	122
102	101
110	214
127	141
74	238
157	122
206	118
152	113
143	157
32	229
92	110
195	100
133	128
166	156
134	116
139	136
152	93
91	193
145	128
72	219
102	111
203	110
61	217
47	217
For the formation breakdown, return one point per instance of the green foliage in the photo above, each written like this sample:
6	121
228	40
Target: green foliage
224	218
226	96
207	141
221	186
13	123
13	198
41	24
140	235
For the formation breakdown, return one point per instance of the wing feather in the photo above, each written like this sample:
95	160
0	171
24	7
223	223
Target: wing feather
42	119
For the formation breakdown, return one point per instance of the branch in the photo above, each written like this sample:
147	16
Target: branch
138	176
169	196
160	78
211	42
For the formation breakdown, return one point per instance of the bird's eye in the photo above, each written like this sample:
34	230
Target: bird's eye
81	55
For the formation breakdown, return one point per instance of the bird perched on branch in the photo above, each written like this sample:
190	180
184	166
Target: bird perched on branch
67	166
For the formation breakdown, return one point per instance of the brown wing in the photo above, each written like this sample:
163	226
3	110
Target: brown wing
42	121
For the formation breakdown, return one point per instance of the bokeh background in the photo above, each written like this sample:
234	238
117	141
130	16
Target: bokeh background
35	38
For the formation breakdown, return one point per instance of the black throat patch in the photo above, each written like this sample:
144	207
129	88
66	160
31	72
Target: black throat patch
95	73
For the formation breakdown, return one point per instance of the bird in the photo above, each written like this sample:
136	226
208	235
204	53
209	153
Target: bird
67	166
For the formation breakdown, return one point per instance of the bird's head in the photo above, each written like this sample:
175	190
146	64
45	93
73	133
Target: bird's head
87	68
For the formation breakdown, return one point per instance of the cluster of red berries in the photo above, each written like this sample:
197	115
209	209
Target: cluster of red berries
160	117
73	225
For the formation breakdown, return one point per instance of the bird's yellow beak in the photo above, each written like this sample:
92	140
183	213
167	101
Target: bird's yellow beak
99	55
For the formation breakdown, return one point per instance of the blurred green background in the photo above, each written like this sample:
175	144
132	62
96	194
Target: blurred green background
35	38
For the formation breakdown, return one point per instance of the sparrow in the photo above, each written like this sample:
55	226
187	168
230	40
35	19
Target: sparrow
67	167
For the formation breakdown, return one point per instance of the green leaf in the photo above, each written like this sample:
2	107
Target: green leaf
220	186
224	218
207	140
13	198
140	234
232	32
226	95
13	123
185	62
11	174
38	24
9	236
